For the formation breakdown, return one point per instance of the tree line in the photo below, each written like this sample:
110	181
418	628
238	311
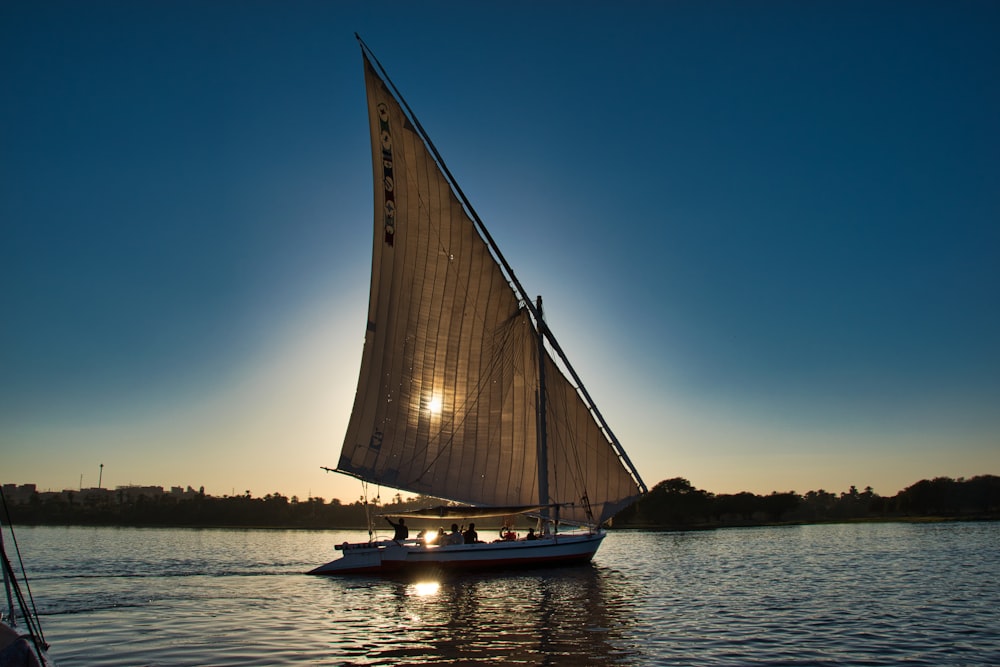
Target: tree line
274	510
676	503
671	504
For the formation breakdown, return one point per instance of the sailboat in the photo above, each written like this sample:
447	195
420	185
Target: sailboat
18	647
464	393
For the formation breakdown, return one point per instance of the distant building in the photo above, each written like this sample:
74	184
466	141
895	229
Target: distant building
19	494
180	493
130	493
96	496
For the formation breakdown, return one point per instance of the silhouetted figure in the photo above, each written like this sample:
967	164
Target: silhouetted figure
470	535
531	535
402	532
455	537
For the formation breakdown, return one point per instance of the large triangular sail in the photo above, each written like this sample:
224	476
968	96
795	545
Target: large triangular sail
447	398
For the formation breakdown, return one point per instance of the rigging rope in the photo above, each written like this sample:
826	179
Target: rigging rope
28	609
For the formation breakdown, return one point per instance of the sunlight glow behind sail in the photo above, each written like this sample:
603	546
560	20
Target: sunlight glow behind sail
446	326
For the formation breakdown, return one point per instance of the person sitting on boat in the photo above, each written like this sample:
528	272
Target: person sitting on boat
531	535
470	535
454	537
402	532
507	533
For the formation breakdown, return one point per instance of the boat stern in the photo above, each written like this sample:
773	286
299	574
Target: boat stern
361	558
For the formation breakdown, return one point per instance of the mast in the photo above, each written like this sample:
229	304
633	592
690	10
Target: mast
543	445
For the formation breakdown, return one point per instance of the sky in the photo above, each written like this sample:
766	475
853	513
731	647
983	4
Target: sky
767	233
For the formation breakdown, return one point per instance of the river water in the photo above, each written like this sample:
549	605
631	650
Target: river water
852	594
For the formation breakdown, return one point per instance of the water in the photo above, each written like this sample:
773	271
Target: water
868	594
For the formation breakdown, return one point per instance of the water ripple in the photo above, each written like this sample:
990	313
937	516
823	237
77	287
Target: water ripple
886	594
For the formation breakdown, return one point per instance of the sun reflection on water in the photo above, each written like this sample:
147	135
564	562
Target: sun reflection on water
424	588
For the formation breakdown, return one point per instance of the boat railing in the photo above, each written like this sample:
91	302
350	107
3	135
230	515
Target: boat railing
350	546
420	543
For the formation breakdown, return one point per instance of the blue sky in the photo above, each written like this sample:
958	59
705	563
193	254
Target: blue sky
766	233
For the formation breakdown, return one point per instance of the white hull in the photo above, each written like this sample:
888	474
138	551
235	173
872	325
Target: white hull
388	556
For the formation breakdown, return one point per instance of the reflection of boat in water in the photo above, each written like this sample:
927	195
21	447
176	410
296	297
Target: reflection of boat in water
570	616
464	393
17	648
544	616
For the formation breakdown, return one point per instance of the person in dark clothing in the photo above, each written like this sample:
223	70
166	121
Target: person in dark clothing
402	532
470	535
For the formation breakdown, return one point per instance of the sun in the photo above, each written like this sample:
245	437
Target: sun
434	405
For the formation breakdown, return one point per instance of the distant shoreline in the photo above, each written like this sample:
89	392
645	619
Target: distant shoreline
666	528
672	505
819	522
